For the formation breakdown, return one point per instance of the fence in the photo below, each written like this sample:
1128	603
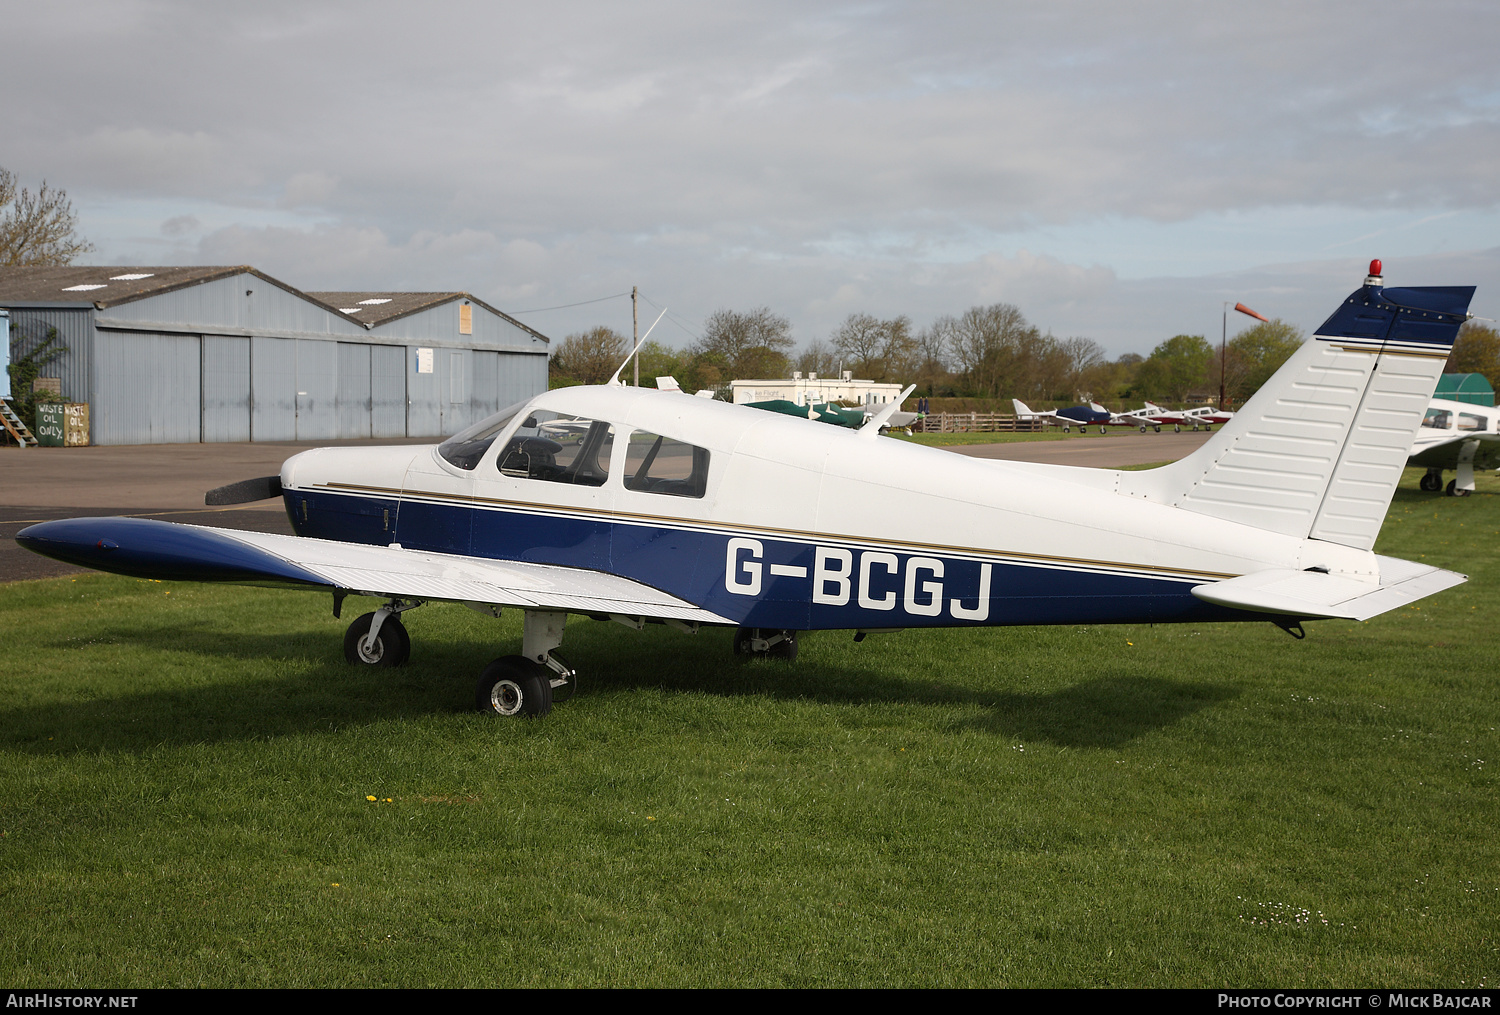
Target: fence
975	422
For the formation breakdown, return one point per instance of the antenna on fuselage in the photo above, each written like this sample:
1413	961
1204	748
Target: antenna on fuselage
874	423
615	380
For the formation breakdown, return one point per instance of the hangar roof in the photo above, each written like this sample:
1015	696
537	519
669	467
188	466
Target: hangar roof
105	286
376	308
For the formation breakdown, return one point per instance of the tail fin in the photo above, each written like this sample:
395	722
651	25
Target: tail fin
1318	450
1021	408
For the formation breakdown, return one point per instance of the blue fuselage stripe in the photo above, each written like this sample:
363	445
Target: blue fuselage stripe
760	580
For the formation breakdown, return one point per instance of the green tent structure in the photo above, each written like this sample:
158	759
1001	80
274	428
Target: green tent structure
1472	388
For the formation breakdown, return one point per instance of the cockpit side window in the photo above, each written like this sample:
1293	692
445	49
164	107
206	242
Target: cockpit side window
465	448
665	465
558	448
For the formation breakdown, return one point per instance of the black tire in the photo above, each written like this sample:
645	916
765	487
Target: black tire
1452	489
1158	429
1067	429
392	647
1101	429
785	650
1431	482
1177	428
1143	428
514	685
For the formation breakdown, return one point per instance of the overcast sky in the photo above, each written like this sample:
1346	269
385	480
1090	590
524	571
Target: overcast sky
1115	170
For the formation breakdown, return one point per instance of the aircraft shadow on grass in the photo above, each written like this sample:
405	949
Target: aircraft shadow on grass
1103	712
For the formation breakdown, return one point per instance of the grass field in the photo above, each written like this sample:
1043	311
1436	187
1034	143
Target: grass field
187	774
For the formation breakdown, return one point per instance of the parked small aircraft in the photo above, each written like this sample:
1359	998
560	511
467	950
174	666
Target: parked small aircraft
1460	436
1204	416
691	512
1081	416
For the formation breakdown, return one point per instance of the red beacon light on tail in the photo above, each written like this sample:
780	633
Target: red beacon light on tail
1374	276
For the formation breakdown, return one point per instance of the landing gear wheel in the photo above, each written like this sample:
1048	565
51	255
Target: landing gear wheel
1452	489
1177	428
392	645
1143	428
1101	429
1067	429
784	643
1431	482
513	685
1158	429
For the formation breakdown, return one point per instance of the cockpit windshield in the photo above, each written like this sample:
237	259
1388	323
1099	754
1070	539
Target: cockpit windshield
465	448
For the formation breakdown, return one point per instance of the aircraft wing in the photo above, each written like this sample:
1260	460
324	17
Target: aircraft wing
1309	594
168	551
1447	454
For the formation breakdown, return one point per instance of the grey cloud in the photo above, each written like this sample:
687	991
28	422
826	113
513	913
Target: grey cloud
818	158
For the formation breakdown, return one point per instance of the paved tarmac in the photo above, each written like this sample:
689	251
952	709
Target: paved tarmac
1095	451
168	481
165	481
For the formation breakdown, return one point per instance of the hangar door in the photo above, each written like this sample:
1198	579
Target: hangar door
226	388
147	388
371	390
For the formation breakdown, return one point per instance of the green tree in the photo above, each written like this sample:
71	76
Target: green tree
818	359
755	343
1176	368
37	230
25	367
1476	351
588	357
658	360
1255	354
877	350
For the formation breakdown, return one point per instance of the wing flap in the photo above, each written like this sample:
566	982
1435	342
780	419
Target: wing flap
392	571
1311	594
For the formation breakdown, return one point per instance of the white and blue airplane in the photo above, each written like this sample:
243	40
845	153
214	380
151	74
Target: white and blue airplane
1460	436
665	508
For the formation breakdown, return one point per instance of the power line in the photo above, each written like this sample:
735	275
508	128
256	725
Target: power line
565	306
681	322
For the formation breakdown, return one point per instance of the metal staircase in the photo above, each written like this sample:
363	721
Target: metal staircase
14	426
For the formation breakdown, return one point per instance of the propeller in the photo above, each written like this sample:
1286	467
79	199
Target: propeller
245	491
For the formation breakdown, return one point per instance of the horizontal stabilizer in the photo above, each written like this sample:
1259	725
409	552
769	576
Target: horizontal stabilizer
1309	594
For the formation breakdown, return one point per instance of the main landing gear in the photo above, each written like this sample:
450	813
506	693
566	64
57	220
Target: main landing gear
1461	485
765	643
524	684
511	685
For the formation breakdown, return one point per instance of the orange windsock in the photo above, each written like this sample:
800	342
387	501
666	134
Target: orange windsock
1246	310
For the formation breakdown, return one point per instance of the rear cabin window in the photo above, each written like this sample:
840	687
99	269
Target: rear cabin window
1468	421
558	448
665	465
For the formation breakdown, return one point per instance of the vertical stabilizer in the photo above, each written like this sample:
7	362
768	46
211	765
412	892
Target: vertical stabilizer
1318	450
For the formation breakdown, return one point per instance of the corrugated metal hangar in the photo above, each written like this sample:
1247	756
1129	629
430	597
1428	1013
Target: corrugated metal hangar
178	355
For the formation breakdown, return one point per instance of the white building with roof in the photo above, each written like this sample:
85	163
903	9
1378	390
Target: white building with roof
812	389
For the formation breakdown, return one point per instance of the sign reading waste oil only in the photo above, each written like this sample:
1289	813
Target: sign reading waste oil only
60	424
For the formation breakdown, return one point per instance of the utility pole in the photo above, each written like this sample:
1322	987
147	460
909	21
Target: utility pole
1223	344
635	336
